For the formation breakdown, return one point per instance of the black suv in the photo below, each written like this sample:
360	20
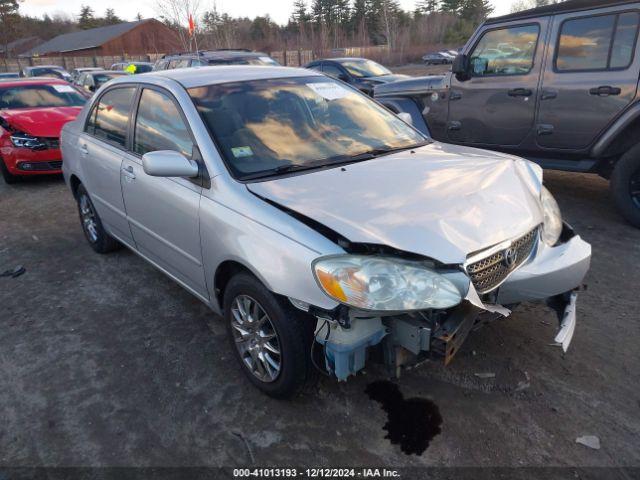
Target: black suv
557	85
360	73
214	57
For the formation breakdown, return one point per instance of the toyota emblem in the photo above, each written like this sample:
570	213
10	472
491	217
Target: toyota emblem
510	257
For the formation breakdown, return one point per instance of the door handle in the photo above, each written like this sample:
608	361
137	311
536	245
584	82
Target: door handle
520	92
455	95
84	150
544	129
128	172
605	91
548	94
454	126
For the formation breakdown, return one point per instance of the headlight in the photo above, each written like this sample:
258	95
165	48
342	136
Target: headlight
23	140
552	227
384	284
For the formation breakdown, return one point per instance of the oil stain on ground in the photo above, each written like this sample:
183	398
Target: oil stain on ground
412	423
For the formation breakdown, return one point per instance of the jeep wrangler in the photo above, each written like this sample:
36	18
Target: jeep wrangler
557	85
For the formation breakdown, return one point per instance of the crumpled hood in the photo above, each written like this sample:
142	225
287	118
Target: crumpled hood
443	201
40	122
413	85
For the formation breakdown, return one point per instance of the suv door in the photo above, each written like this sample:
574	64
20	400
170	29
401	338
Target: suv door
164	212
495	104
102	146
591	75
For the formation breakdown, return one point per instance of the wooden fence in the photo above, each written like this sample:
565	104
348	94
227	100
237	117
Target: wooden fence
291	58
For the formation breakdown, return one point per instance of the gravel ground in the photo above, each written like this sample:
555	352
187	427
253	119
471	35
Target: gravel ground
105	362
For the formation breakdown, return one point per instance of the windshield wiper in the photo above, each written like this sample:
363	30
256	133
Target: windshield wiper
373	153
292	167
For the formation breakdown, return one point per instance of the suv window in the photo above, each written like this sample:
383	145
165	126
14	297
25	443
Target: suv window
505	51
110	116
597	43
159	126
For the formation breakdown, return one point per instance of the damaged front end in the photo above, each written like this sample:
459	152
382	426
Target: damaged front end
523	269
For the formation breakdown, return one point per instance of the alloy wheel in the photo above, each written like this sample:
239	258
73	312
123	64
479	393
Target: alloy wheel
88	216
256	339
634	188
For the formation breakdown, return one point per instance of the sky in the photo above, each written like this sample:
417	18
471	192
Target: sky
280	10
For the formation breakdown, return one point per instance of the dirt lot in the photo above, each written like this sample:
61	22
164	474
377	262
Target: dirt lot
104	361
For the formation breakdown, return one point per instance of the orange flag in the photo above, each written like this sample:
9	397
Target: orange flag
192	25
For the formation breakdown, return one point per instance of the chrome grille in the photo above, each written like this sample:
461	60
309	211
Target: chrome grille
490	271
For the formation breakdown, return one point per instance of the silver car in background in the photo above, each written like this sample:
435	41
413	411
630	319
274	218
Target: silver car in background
318	223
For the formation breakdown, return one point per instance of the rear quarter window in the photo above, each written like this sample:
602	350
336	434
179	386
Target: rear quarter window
109	117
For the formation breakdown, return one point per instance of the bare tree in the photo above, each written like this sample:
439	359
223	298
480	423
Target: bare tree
175	13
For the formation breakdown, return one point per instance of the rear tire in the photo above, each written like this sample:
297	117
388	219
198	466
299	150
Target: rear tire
625	186
8	177
293	332
94	232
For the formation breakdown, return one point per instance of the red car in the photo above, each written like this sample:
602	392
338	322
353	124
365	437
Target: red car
32	113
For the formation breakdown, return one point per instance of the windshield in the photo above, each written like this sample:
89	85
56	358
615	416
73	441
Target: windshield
101	78
306	122
143	68
365	68
48	72
40	96
245	61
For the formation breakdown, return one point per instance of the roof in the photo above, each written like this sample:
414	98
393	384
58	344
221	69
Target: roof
84	39
201	76
221	54
562	7
17	82
21	42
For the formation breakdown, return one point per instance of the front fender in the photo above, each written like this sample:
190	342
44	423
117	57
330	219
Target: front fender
407	105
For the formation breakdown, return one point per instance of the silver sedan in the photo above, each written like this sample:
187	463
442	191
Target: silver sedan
319	224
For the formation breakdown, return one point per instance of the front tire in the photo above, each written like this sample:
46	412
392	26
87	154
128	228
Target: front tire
625	186
94	232
8	177
270	338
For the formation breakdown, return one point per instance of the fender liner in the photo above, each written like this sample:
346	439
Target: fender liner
614	130
409	106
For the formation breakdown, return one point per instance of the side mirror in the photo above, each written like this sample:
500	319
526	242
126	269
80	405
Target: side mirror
167	163
405	117
460	65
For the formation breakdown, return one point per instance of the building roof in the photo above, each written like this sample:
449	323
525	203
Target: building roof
562	7
84	39
21	43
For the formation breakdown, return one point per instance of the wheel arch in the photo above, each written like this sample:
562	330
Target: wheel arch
225	271
619	138
74	183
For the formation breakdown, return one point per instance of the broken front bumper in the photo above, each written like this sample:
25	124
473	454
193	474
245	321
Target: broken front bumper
552	275
553	271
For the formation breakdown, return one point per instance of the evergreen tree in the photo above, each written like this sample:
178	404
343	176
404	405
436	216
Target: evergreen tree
86	18
427	6
110	17
475	11
9	19
300	14
451	6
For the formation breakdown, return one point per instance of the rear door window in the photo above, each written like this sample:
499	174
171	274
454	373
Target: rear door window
109	117
159	126
604	42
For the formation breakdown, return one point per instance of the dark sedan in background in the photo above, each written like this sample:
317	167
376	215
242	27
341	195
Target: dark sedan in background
360	73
